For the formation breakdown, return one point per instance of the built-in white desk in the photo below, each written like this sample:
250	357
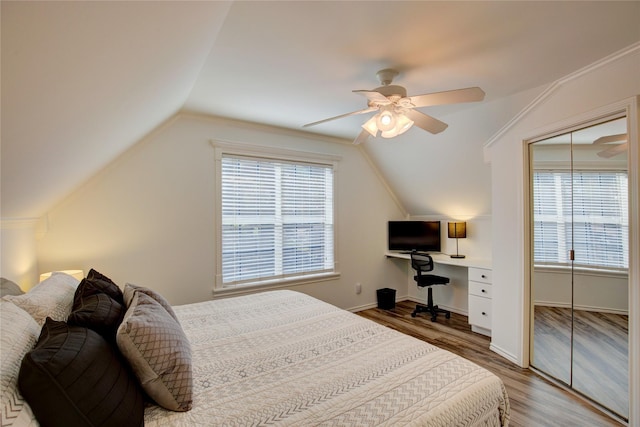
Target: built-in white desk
479	277
444	259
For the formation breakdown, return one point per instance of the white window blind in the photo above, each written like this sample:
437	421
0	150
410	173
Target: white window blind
277	219
594	222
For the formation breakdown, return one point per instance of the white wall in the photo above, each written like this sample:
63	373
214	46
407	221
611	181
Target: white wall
612	80
148	218
18	252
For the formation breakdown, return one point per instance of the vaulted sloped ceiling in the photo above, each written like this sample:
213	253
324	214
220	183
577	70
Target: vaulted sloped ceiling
83	81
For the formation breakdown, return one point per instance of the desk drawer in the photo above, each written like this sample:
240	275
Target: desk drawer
479	275
480	289
480	311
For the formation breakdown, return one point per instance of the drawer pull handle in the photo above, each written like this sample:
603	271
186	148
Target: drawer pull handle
484	314
483	291
483	276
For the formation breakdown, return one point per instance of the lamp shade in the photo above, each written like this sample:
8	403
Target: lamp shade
457	230
78	274
371	126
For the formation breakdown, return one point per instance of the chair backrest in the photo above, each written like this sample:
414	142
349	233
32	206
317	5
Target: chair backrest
421	262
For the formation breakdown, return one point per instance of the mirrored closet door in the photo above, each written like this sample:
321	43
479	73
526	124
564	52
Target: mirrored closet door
580	261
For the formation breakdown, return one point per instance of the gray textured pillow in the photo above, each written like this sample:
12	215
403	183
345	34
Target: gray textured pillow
158	351
7	287
130	289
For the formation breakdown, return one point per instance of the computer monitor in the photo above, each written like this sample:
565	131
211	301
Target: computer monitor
421	236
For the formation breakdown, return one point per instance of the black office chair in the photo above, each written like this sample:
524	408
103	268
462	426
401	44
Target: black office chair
423	263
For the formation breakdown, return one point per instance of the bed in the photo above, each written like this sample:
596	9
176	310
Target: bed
285	358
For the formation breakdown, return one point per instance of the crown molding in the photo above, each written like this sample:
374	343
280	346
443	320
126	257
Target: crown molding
18	223
261	127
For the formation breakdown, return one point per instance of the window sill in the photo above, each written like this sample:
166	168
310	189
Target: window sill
580	270
249	288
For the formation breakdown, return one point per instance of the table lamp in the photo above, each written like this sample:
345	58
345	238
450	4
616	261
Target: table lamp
78	274
457	230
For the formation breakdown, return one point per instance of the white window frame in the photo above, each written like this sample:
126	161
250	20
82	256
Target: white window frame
276	154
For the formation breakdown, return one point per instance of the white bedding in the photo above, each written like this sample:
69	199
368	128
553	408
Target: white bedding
285	358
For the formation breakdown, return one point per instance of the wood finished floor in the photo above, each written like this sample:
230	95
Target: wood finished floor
534	400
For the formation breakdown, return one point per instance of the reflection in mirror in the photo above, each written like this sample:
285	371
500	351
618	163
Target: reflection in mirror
579	276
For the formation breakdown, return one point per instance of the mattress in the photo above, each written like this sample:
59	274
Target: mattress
285	358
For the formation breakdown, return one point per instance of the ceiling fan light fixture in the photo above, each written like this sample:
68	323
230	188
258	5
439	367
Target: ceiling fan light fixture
404	123
386	120
389	134
397	112
371	126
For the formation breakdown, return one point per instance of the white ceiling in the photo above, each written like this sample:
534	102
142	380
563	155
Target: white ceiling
83	81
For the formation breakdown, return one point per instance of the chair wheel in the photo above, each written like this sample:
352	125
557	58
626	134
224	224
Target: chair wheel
448	315
433	318
413	314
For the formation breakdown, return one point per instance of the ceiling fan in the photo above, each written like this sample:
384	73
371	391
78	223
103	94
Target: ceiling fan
396	112
618	145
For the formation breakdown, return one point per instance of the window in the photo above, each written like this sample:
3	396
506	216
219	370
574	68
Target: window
276	219
599	218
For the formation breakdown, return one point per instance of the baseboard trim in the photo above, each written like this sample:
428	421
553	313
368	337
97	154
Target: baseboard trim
582	307
362	307
510	357
374	304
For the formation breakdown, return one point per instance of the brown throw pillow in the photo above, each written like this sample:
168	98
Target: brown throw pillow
158	351
99	312
73	377
96	283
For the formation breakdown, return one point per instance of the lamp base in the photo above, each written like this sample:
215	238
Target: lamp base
457	256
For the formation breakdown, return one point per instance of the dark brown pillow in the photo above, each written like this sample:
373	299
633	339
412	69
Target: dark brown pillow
95	275
96	283
73	377
99	312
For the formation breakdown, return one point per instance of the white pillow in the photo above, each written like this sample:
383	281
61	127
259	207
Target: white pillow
18	335
52	297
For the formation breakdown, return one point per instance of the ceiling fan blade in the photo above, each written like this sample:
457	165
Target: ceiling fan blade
374	96
470	94
426	122
611	138
362	137
353	113
613	151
